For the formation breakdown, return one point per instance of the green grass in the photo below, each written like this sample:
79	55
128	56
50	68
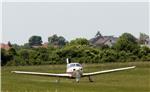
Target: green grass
135	80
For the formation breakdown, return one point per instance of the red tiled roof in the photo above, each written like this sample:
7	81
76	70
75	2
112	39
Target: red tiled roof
4	46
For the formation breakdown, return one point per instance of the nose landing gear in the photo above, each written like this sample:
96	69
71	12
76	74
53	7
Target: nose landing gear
78	76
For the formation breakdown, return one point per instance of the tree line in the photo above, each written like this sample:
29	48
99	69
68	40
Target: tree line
126	49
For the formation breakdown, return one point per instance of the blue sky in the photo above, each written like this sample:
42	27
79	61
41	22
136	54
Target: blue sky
72	19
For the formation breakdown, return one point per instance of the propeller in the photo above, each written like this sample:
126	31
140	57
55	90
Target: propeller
77	75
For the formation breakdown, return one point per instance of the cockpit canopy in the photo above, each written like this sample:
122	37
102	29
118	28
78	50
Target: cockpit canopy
74	65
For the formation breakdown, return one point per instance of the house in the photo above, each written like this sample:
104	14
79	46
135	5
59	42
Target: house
45	45
5	46
100	40
146	43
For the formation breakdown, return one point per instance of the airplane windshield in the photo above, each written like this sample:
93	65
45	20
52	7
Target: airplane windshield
78	65
73	65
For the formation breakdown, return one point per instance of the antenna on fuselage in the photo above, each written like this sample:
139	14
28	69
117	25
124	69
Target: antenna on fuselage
68	60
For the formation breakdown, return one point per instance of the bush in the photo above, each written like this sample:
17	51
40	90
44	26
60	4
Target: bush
122	56
109	56
77	50
146	58
17	61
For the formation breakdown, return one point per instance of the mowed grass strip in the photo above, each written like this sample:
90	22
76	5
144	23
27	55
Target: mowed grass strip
134	80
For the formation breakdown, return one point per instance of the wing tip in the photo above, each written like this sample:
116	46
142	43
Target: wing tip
13	71
133	66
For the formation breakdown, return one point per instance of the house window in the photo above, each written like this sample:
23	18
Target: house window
110	40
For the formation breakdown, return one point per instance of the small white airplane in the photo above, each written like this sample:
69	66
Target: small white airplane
74	70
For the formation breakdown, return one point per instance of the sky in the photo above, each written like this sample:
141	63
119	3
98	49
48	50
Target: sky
21	20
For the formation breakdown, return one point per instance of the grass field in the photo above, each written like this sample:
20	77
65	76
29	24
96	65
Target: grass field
135	80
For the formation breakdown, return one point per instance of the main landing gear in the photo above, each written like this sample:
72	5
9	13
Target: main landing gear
90	79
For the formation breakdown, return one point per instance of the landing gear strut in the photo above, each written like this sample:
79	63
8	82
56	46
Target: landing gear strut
78	76
90	79
58	80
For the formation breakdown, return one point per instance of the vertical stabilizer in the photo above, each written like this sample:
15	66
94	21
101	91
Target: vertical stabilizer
67	60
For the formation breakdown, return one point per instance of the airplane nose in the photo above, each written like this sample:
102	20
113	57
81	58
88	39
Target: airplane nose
77	72
78	69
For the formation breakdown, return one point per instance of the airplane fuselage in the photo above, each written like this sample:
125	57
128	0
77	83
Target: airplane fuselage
73	69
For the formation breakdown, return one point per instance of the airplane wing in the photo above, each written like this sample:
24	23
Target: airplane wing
43	74
106	71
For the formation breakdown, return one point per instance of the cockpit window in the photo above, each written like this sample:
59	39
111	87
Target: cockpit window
78	65
73	65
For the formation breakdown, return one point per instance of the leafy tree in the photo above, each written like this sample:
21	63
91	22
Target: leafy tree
146	58
12	51
79	41
26	46
42	54
16	46
144	51
5	57
54	58
17	61
78	53
126	42
122	56
62	41
24	54
35	41
78	50
57	40
9	44
109	56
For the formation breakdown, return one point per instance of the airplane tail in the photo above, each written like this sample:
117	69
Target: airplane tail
68	60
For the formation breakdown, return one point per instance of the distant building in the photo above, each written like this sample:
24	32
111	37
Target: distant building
5	46
45	45
146	43
100	40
